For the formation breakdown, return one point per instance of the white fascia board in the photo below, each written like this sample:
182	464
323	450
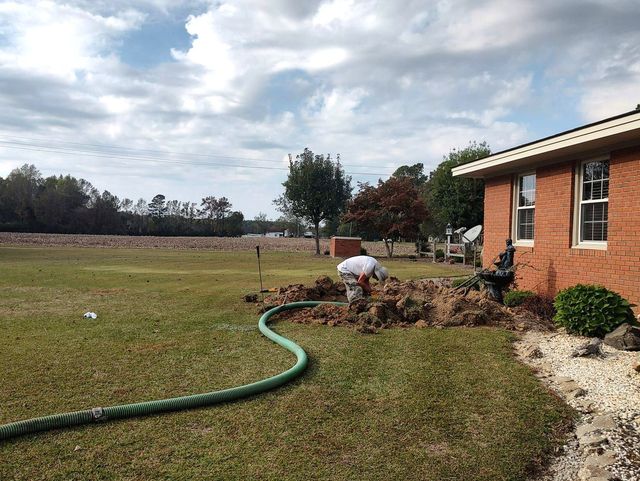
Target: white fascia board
600	135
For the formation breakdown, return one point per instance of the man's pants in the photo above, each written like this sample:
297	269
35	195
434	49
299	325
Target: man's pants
354	291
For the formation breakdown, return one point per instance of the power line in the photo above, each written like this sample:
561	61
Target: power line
131	149
106	155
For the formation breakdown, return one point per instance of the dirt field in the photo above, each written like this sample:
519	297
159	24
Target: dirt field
207	243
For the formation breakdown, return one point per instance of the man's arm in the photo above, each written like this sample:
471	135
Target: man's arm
363	281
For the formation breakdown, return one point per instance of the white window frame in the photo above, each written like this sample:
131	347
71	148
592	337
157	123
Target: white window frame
516	208
577	211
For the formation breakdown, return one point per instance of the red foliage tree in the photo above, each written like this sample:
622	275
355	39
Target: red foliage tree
394	210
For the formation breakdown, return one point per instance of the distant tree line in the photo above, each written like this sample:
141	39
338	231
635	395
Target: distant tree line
318	196
65	204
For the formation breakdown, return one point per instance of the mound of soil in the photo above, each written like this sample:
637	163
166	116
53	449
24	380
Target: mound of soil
421	303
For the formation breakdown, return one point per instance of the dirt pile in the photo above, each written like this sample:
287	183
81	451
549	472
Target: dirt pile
421	303
324	289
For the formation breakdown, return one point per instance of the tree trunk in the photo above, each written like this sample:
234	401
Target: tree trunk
317	226
389	248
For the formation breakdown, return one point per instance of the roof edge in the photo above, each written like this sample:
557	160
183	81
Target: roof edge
617	124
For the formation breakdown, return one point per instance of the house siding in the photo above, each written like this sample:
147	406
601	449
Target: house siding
552	263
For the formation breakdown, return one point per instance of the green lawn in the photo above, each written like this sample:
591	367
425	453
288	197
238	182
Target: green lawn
404	404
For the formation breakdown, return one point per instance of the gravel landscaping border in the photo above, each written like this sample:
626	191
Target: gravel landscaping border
605	390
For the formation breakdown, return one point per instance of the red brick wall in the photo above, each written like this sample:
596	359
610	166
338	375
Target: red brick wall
345	247
553	263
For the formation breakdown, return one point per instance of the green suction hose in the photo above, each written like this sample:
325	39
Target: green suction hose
87	416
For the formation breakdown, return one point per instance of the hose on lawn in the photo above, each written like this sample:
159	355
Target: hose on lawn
101	414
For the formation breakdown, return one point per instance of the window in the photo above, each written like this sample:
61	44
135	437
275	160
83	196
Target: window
525	207
594	201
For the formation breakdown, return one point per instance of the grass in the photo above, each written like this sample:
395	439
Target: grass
404	404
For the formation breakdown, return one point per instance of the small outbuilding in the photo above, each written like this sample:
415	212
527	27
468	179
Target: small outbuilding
345	246
571	204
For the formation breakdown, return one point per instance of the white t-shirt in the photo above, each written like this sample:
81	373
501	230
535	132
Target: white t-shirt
357	265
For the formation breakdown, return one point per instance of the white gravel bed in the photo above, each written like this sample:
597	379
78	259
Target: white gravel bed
611	387
610	382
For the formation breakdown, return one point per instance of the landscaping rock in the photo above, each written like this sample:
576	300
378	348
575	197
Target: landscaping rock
625	338
569	386
602	460
593	473
576	393
604	422
593	348
592	440
532	352
584	406
421	324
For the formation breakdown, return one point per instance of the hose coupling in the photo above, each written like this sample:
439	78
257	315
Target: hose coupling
98	414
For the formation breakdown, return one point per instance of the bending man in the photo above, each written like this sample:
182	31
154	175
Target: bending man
356	271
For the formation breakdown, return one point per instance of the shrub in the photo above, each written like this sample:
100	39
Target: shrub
591	310
439	254
515	298
363	251
539	306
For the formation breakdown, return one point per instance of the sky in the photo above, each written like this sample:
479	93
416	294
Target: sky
196	98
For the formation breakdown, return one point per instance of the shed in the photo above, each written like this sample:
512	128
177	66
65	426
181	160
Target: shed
345	246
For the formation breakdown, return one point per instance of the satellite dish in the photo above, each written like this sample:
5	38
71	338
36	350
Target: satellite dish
472	234
460	230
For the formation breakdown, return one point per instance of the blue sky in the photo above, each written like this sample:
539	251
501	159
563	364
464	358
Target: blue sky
199	98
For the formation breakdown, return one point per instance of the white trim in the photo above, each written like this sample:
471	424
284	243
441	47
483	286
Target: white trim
618	127
516	207
576	243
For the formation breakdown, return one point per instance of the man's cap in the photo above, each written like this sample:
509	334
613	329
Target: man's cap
382	274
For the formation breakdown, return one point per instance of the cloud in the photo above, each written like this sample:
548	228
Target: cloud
380	84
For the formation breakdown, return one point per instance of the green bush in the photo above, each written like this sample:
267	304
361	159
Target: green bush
439	254
591	310
515	298
363	251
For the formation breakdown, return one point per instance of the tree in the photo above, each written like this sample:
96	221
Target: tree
141	208
233	225
189	210
105	214
58	203
414	172
20	189
456	200
296	225
157	207
393	210
261	222
316	189
222	211
126	205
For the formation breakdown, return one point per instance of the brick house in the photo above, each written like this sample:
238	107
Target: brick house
571	204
